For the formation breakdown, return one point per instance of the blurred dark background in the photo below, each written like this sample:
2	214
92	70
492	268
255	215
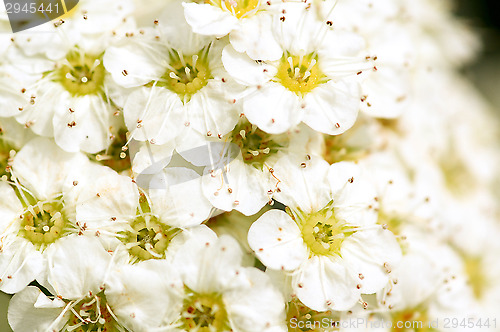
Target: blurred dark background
484	17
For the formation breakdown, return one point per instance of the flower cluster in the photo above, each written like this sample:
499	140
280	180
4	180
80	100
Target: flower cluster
246	165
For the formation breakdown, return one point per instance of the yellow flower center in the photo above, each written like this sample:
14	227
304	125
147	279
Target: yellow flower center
81	74
300	74
256	145
93	315
6	152
238	8
186	75
43	223
204	313
457	176
478	280
322	232
147	237
300	318
116	155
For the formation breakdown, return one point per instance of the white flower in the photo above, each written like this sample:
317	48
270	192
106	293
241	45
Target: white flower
149	224
248	24
221	294
427	285
236	170
90	22
79	267
31	310
39	212
328	238
177	80
65	98
12	137
146	295
386	91
313	81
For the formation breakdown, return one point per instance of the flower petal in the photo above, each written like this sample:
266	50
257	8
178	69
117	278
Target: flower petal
23	316
206	19
332	108
273	108
245	70
325	283
277	241
367	252
77	265
254	38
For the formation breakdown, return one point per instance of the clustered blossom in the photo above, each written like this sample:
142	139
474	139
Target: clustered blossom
246	165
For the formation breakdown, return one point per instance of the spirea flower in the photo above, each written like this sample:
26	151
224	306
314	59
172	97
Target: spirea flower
311	81
328	239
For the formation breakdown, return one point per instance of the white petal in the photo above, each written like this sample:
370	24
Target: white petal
113	196
77	266
332	108
236	186
176	30
303	182
181	203
354	197
245	70
25	317
85	127
131	65
154	114
277	241
367	252
39	116
10	206
326	283
145	294
387	91
337	45
296	33
149	159
259	307
208	264
43	167
20	264
273	108
255	38
211	111
206	19
11	98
